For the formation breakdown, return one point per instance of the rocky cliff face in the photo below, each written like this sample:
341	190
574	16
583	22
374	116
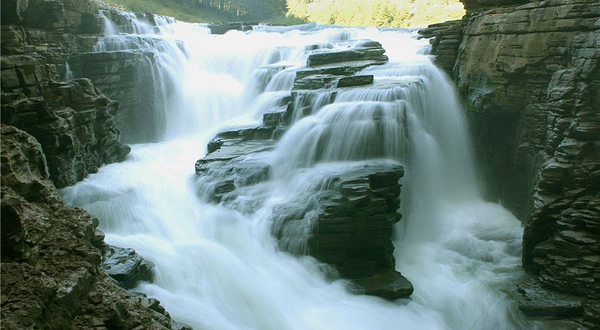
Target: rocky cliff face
52	257
73	121
125	68
52	254
530	78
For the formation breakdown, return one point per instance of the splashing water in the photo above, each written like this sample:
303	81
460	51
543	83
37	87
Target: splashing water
218	267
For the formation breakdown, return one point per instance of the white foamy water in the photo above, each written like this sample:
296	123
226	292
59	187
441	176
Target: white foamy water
218	267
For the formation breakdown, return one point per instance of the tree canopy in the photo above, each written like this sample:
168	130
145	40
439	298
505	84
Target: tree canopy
402	13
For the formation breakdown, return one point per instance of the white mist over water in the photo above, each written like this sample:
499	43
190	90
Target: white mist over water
218	267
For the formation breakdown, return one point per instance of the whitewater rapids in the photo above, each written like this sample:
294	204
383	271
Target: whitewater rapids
218	267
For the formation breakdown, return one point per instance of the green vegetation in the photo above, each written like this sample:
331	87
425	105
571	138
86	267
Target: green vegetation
403	13
182	11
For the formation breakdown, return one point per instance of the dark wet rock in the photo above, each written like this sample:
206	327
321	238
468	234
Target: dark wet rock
445	41
540	302
51	276
126	266
358	80
530	77
350	227
222	28
326	66
73	121
368	51
474	5
388	284
338	69
317	81
320	81
231	166
127	77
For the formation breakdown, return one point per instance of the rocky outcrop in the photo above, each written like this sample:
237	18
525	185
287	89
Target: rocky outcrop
51	255
52	276
129	77
445	40
223	27
477	5
74	123
126	266
72	120
530	77
349	224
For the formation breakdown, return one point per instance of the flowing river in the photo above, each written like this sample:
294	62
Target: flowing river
217	266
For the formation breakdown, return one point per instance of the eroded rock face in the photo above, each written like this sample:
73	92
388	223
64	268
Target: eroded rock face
127	77
126	266
530	77
72	120
349	226
474	5
74	123
222	28
51	275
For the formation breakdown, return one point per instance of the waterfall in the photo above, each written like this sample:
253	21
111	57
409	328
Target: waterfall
219	267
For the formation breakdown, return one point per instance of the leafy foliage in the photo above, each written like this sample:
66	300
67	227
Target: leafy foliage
344	12
404	13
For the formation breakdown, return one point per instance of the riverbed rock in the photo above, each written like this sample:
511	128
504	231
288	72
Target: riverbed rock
51	276
529	75
368	51
126	266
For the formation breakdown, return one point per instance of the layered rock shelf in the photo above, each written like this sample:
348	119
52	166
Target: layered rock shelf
352	227
128	77
73	121
529	73
54	134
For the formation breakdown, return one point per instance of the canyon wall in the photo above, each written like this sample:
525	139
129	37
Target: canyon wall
54	134
529	76
72	120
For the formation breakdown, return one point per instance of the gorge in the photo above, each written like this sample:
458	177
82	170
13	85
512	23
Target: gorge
335	185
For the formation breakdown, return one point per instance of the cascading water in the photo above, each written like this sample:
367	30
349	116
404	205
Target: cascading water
218	267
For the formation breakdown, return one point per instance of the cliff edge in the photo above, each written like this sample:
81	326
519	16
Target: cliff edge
529	76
